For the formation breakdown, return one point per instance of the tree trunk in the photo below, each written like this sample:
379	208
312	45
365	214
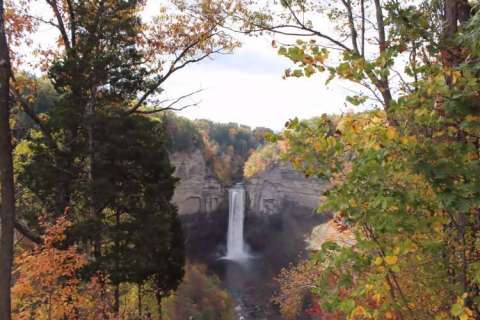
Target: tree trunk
7	206
116	303
383	83
159	297
140	300
116	307
456	13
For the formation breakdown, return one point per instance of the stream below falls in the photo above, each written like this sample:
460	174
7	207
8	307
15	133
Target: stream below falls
249	281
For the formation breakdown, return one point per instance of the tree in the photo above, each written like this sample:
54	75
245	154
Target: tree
358	32
139	231
295	285
135	234
261	159
107	73
172	272
403	180
7	200
199	297
47	284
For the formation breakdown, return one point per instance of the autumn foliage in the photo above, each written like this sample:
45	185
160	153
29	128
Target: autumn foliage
199	296
47	283
404	169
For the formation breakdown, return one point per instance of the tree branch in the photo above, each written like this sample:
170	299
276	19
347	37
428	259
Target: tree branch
61	24
351	23
27	233
49	22
173	68
171	105
316	32
29	111
73	26
382	84
363	18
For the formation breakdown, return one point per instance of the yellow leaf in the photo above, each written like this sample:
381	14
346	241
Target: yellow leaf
455	76
472	118
437	226
378	261
391	260
391	133
358	311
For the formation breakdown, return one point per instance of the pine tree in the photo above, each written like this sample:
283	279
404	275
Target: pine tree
107	167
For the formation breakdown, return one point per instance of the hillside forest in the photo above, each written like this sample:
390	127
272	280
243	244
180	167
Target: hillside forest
87	226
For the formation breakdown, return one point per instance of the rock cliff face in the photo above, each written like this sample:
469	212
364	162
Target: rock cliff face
281	187
280	215
268	193
202	203
198	190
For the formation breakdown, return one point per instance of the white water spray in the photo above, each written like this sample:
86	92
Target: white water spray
236	216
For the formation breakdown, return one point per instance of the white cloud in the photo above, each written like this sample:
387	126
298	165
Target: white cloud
247	87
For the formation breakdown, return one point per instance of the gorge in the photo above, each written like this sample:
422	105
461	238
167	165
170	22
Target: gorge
272	213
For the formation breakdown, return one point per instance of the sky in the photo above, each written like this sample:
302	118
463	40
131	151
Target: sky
246	86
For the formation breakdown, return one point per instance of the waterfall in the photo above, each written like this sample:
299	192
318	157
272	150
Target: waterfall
236	216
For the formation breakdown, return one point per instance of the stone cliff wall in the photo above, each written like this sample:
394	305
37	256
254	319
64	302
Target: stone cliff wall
280	217
198	190
281	213
280	186
202	204
268	193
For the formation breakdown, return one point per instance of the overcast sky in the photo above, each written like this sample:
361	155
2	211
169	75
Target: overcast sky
246	86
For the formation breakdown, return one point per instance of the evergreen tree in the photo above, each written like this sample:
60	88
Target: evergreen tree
106	167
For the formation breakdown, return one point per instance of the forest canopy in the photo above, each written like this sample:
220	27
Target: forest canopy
225	146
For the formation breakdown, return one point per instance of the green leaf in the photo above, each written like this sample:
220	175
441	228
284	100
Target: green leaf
456	310
297	73
356	100
347	305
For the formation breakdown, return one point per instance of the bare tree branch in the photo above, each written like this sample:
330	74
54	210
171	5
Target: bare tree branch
283	30
316	32
61	25
49	22
158	110
73	26
173	68
29	111
27	233
363	19
351	23
402	80
171	105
